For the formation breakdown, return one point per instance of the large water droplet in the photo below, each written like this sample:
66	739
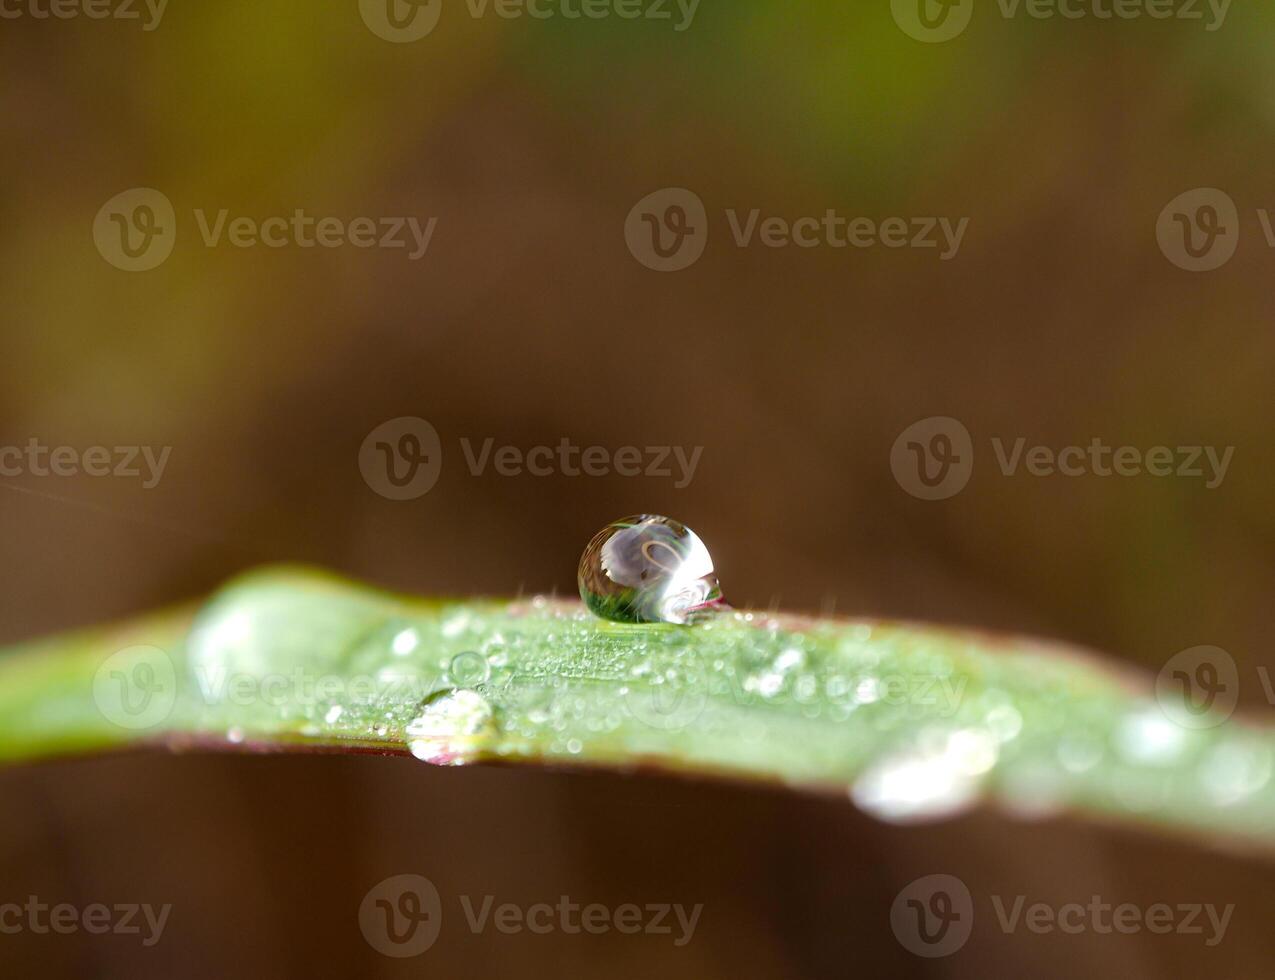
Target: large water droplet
648	569
452	729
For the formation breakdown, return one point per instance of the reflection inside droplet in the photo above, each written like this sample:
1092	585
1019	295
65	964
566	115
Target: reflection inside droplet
648	569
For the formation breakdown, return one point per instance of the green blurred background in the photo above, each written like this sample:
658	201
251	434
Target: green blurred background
528	321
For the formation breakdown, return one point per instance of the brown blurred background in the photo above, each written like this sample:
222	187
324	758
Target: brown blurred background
1060	320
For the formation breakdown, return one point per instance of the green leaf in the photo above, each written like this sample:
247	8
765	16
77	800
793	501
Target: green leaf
911	722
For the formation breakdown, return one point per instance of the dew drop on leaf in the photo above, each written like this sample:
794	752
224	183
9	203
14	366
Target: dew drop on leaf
648	569
452	728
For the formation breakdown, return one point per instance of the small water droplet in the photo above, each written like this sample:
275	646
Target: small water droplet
404	642
1004	722
235	735
868	691
1235	770
333	714
452	728
973	751
938	778
1150	738
771	681
1079	753
648	569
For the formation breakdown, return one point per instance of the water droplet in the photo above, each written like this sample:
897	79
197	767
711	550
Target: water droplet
1148	737
405	642
868	691
1079	753
468	669
771	681
939	778
648	569
1004	722
452	728
1235	770
333	714
973	751
235	735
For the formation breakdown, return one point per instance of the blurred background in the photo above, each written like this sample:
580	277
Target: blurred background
531	318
